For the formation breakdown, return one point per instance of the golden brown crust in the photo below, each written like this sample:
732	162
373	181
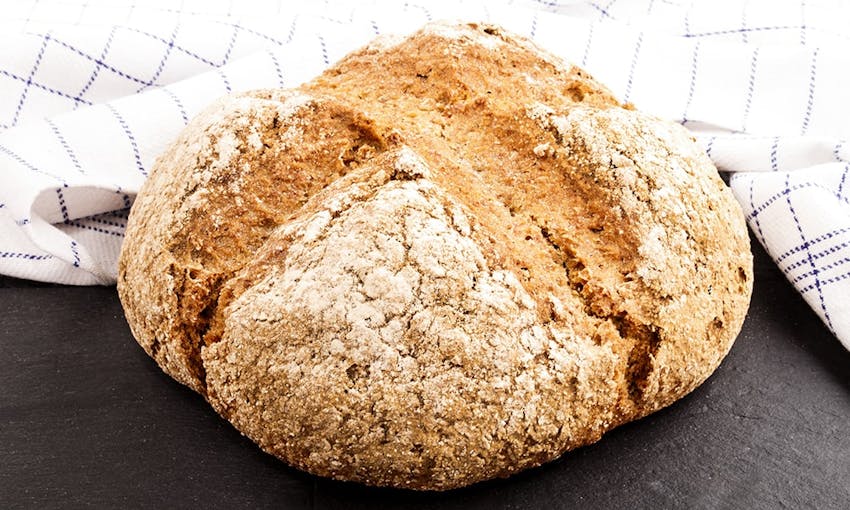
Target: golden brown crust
443	260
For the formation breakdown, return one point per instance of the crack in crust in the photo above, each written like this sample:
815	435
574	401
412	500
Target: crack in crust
644	338
446	259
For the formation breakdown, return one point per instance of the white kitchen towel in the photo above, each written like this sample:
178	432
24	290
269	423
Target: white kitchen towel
92	91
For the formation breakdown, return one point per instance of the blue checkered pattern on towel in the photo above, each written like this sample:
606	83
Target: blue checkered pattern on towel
91	93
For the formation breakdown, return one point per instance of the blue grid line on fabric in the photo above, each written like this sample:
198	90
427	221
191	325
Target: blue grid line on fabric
803	22
821	269
548	3
817	256
759	232
99	62
291	32
751	87
132	139
836	151
127	204
603	11
177	102
224	80
843	179
97	68
324	49
23	162
99	230
186	12
422	8
161	66
632	68
22	222
96	219
75	253
587	44
810	243
26	256
738	136
231	44
827	281
710	145
774	157
42	87
808	254
277	67
737	30
687	20
65	146
767	203
63	207
533	30
176	46
693	85
33	70
744	23
553	5
374	27
811	99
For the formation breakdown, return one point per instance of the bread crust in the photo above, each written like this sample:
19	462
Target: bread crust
446	259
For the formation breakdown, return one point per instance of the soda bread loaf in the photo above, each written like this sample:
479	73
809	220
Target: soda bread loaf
446	259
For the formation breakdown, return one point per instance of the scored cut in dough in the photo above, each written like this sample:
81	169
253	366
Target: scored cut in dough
446	259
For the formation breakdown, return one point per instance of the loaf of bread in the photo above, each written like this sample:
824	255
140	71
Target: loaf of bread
446	259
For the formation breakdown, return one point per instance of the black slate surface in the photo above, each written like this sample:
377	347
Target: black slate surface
87	419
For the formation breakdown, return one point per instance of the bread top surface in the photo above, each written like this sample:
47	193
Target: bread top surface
445	259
